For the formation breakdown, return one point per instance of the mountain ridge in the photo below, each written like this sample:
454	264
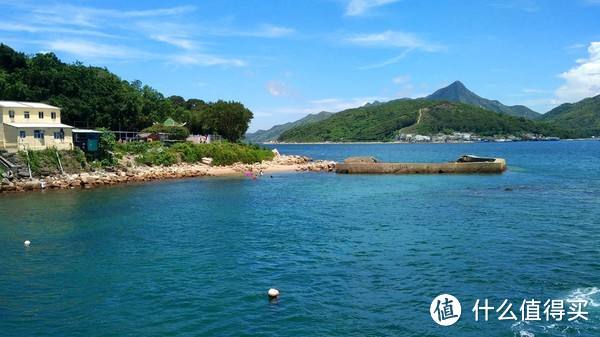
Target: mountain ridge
385	122
458	92
455	92
582	117
274	132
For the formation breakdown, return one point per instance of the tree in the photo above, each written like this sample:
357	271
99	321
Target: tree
11	60
106	146
174	132
94	97
229	119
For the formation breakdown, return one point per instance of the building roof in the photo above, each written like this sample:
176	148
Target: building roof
34	105
39	125
85	131
171	122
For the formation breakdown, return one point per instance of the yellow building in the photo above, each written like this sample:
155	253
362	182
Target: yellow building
32	126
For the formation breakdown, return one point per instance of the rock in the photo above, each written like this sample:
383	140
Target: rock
32	185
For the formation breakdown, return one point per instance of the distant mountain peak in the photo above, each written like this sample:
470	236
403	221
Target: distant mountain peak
458	84
458	92
456	88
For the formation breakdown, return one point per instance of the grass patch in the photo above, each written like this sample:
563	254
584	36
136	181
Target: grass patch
45	162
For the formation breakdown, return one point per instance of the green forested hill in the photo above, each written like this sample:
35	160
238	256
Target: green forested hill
383	122
94	97
367	123
581	118
457	92
274	132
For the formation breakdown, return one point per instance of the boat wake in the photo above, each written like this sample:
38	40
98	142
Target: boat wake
565	328
591	295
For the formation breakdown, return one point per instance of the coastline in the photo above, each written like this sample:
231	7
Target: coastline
404	142
280	164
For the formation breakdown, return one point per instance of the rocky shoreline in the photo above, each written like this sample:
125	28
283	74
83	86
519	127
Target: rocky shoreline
136	174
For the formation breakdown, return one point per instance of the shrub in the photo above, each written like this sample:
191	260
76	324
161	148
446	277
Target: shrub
73	161
175	132
158	157
135	147
45	162
106	148
222	153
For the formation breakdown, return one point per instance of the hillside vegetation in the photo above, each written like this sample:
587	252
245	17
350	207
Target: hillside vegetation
383	122
274	132
94	97
368	123
581	119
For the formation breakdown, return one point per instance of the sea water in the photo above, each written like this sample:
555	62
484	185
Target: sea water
352	255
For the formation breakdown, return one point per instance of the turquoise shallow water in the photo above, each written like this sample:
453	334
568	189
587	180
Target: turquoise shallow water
352	255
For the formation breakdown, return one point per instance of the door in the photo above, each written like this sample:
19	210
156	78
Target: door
39	138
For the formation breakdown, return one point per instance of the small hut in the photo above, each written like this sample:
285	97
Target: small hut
86	139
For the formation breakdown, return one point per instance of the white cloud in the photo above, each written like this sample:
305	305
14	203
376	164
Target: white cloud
20	27
265	30
276	88
583	80
405	86
62	28
269	31
575	46
180	42
393	39
522	5
360	7
92	50
534	91
402	79
206	60
387	62
92	17
405	41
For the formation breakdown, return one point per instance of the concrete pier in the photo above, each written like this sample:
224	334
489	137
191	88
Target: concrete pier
354	166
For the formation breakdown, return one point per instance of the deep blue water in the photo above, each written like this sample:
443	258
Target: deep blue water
351	255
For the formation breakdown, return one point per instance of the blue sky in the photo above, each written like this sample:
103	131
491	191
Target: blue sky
285	59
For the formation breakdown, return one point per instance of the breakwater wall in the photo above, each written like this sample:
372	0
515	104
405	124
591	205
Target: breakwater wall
497	166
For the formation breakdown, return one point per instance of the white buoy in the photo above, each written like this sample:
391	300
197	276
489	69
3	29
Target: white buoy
273	293
27	243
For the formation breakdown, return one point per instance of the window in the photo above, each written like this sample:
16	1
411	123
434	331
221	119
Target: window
41	114
11	114
26	114
58	136
53	115
38	134
22	134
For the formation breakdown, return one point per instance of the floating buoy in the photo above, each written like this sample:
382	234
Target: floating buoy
27	243
273	293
